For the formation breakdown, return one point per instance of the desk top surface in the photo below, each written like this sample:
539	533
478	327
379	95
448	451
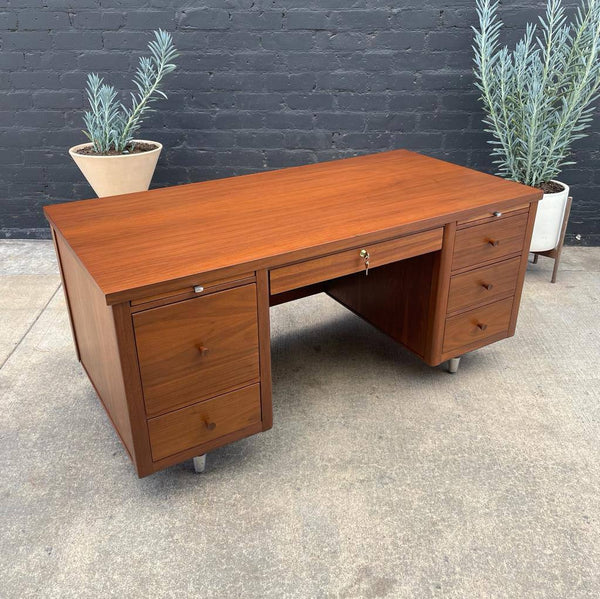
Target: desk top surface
136	241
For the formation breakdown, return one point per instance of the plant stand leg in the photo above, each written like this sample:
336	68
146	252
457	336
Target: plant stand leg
453	365
561	241
200	463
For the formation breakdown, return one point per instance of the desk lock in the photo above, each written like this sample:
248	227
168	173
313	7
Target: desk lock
364	254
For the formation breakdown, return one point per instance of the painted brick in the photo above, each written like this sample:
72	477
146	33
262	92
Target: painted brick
77	40
42	20
103	20
26	40
204	18
313	20
151	19
260	84
8	20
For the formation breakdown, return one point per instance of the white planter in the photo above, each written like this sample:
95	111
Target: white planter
549	220
116	175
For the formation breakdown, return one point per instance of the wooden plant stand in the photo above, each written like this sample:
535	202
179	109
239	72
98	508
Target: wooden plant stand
555	254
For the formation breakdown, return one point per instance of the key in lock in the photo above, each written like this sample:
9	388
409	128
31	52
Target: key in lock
364	254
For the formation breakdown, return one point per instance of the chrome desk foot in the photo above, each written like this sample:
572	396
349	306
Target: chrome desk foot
453	365
200	463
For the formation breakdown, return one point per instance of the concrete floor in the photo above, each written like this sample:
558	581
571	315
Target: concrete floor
381	477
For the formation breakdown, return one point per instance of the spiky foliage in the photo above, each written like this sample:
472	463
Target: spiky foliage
538	98
110	125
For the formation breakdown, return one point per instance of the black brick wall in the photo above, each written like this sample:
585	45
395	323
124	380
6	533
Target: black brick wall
261	84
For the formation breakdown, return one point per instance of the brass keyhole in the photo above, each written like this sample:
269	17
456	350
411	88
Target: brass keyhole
364	254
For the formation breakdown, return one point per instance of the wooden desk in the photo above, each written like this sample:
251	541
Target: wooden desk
169	290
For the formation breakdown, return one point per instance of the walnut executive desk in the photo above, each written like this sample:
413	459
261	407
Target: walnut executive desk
169	290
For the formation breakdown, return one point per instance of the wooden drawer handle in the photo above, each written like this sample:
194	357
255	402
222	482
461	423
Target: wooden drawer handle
494	242
482	326
209	425
487	286
203	350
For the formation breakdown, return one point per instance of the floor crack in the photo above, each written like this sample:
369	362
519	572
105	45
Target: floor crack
14	349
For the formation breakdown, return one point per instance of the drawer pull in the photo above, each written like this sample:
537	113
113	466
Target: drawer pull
203	350
198	289
494	242
497	214
482	326
209	425
487	286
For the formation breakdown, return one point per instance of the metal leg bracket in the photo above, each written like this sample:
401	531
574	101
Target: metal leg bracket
200	463
453	365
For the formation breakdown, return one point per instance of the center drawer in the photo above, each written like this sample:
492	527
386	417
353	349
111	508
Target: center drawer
197	348
347	262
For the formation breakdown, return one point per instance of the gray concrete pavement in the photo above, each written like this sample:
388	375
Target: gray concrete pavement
381	477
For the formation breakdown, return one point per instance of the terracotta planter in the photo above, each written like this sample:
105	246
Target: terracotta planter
116	175
549	220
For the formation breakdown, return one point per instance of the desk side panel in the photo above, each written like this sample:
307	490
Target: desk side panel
96	339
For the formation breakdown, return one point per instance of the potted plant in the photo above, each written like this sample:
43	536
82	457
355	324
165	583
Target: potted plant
538	100
113	161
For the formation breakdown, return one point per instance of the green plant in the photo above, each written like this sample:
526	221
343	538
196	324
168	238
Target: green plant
111	125
538	97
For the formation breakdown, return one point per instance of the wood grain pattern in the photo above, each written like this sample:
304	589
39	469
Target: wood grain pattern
264	340
488	215
165	299
65	292
483	285
181	374
344	263
474	345
206	446
207	283
394	298
197	348
489	241
97	341
477	326
523	267
164	239
204	422
132	383
439	297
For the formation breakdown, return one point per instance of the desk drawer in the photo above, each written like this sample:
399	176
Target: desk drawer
204	421
489	241
347	262
477	326
197	348
483	285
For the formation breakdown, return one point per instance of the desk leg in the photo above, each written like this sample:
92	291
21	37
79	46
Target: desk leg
453	365
200	463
